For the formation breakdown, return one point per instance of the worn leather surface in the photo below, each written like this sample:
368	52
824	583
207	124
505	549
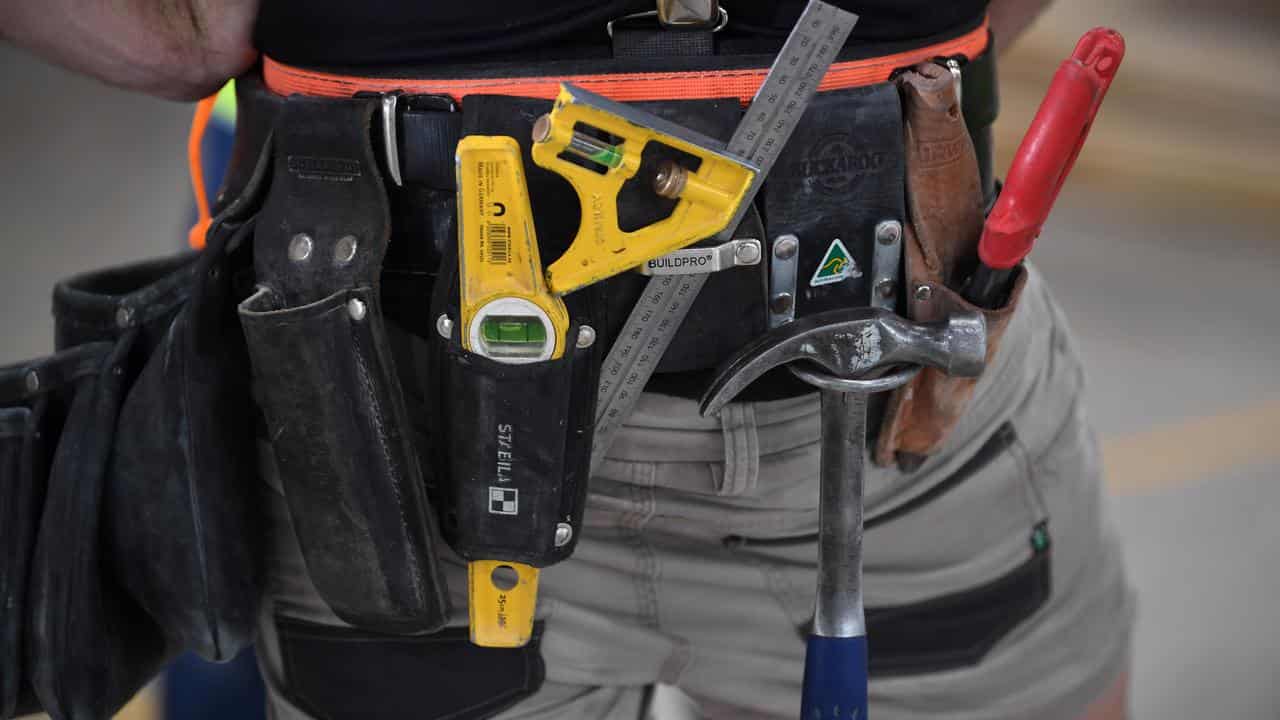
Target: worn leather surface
183	520
945	199
945	191
33	406
920	414
325	378
90	646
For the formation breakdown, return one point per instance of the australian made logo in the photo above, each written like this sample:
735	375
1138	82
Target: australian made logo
837	264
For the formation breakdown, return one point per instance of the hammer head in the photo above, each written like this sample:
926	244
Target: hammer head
853	343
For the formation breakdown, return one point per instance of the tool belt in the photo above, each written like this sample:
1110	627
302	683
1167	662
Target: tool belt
310	326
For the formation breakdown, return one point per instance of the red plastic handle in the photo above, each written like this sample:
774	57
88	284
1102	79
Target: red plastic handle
1049	148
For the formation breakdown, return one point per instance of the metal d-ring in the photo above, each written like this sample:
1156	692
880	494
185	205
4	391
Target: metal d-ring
827	381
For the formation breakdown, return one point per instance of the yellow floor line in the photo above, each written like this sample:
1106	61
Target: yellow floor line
1193	448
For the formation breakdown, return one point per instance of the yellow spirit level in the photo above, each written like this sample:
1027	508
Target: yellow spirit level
506	314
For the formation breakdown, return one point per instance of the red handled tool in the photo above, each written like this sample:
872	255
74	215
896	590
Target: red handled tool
1042	162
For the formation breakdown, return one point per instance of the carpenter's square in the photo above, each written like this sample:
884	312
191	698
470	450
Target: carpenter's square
840	352
1042	162
772	116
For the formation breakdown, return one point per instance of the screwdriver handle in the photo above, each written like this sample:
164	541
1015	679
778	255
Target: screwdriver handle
835	678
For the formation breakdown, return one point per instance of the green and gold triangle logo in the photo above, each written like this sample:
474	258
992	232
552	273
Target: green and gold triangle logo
836	265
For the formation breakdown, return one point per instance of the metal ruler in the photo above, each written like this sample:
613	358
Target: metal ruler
768	123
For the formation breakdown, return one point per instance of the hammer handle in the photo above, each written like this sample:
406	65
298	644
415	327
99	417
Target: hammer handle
835	678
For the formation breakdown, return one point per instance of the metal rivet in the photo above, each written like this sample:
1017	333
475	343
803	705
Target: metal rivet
444	326
300	247
886	288
923	292
780	303
784	248
33	381
345	249
888	232
356	308
586	336
748	252
564	533
124	316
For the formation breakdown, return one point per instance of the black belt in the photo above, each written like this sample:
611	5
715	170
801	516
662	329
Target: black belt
424	130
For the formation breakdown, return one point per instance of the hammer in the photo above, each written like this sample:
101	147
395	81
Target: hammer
847	354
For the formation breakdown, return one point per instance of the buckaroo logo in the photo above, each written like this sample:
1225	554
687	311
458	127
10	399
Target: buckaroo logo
834	163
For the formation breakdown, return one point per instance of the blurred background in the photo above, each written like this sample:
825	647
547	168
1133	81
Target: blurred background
1162	249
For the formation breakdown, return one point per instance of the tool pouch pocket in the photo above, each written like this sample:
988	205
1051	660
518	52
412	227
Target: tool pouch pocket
518	439
325	378
326	387
512	442
31	417
90	646
182	521
920	414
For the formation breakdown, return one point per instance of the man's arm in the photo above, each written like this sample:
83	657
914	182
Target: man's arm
1009	18
176	49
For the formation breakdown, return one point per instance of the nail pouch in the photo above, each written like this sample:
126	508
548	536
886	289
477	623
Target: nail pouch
325	377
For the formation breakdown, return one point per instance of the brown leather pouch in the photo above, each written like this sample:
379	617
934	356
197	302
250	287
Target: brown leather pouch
944	200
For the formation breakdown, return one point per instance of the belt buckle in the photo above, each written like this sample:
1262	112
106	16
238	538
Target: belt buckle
685	14
680	15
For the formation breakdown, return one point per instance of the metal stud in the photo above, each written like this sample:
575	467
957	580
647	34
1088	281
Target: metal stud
357	309
124	316
923	292
345	249
748	252
300	247
586	336
888	232
444	326
564	533
886	288
784	248
32	381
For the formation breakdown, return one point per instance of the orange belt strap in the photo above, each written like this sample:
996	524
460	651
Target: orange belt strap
287	80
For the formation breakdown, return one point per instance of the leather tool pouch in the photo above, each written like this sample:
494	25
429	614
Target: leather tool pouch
34	400
90	646
517	446
325	378
183	524
939	251
514	441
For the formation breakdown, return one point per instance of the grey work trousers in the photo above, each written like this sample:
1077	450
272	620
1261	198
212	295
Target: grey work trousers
654	595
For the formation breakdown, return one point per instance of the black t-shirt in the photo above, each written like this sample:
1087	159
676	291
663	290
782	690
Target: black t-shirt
397	32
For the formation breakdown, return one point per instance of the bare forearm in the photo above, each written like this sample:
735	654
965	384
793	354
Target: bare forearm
178	49
1009	18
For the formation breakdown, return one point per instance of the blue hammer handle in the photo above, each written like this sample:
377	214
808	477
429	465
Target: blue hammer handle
835	679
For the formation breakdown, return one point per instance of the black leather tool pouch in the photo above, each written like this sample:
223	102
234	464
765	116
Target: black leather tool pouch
515	444
325	378
90	646
34	398
182	525
840	175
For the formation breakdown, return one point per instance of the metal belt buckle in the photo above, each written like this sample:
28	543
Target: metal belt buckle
681	15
